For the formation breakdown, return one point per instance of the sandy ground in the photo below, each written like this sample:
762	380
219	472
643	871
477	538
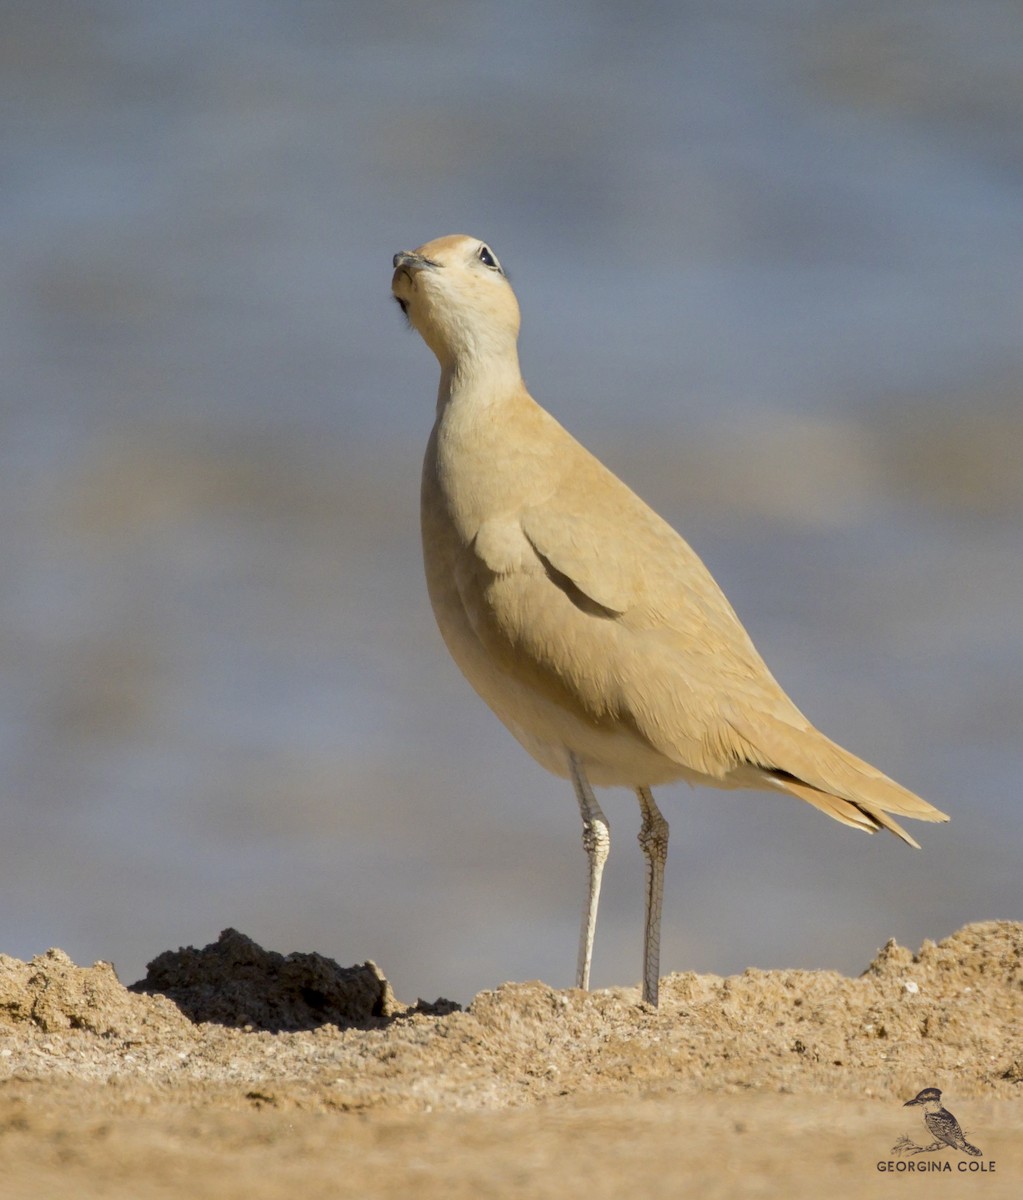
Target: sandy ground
231	1071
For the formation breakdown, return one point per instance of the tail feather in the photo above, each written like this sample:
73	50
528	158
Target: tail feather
811	766
846	811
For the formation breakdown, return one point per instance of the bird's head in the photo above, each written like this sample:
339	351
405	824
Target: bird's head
925	1097
456	295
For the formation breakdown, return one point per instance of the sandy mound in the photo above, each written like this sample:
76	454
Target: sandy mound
50	994
316	1034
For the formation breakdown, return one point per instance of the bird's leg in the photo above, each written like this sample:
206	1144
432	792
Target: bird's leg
597	844
653	840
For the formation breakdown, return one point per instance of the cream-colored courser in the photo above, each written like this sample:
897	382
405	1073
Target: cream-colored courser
585	621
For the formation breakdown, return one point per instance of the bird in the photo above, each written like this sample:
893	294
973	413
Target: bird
588	625
941	1125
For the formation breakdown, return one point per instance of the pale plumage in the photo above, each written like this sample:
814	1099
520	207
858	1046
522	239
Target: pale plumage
589	626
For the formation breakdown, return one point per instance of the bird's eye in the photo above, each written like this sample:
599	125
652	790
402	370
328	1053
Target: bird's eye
488	259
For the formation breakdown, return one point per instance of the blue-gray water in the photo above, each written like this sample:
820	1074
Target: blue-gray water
770	260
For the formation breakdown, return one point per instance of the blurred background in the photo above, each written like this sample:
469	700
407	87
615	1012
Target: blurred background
770	260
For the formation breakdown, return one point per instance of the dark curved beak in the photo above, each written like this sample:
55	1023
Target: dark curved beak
412	261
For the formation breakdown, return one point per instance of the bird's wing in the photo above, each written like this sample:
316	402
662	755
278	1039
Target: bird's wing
585	593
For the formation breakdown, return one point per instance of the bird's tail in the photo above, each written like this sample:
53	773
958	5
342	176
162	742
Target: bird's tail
972	1150
809	765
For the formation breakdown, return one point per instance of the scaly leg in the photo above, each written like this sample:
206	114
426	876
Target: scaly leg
597	843
653	840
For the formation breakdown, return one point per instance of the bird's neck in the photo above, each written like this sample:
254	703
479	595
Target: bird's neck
479	382
484	454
